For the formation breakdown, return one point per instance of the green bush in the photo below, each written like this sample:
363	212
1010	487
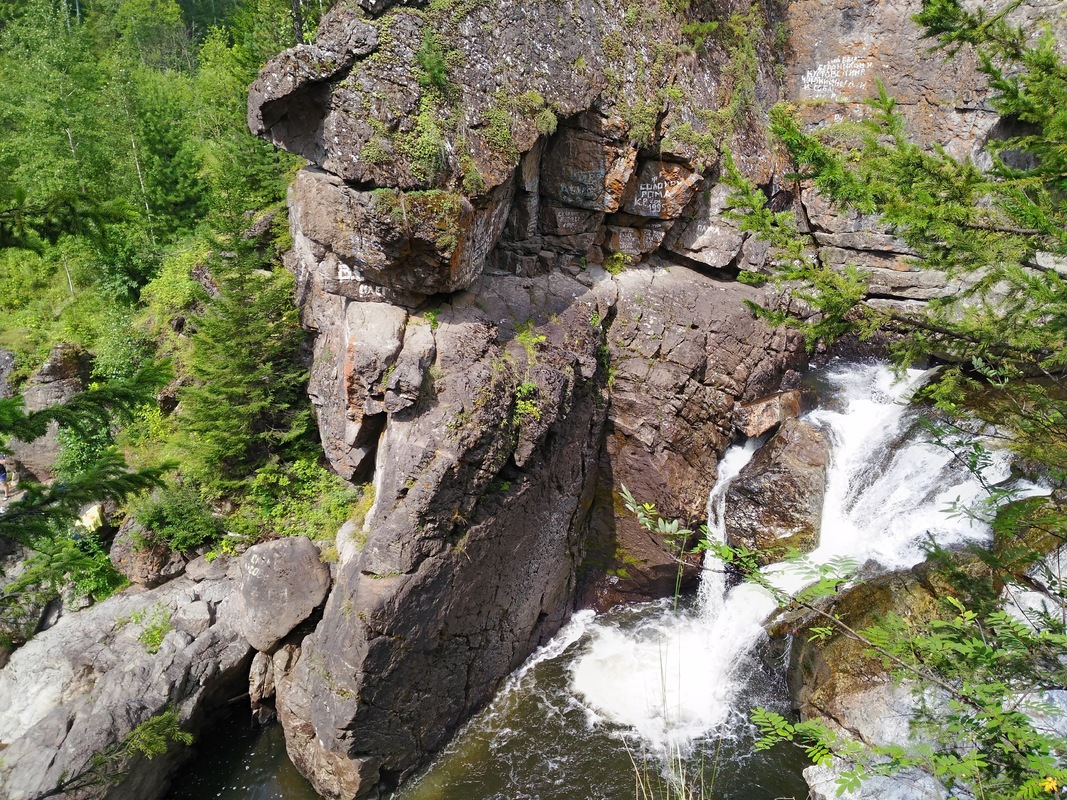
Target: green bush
95	576
178	517
301	498
433	63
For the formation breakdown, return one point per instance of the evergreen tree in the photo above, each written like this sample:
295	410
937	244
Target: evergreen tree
247	402
1004	344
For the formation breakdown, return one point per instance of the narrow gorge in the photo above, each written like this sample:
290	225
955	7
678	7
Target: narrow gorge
516	253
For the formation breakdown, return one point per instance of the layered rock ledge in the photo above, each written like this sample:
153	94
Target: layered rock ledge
514	247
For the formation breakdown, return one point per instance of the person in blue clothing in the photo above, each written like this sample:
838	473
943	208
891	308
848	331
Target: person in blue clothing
3	476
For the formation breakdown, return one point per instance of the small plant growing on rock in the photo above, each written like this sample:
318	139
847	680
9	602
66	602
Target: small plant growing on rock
616	263
433	63
155	629
526	402
530	340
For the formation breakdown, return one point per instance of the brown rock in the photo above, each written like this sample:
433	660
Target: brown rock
775	503
683	350
141	559
662	189
760	416
585	170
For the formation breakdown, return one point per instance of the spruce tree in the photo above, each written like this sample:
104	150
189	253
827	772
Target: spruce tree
981	672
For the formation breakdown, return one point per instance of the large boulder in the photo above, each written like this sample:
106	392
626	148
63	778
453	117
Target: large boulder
81	686
142	559
775	503
279	584
839	681
63	374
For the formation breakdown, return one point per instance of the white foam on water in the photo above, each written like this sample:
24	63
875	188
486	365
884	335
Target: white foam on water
677	676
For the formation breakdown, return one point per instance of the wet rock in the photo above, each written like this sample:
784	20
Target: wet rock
760	416
775	503
839	682
279	584
682	352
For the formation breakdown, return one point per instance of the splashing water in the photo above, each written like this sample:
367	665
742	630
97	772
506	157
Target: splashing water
671	682
674	679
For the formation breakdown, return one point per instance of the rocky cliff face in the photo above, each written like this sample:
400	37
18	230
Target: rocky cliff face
512	245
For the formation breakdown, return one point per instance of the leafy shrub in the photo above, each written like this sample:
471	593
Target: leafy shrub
301	498
95	576
178	517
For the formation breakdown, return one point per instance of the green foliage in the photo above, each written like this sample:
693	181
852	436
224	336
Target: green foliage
95	577
526	403
699	32
80	450
155	626
177	516
527	336
433	63
616	263
980	673
301	498
246	402
496	129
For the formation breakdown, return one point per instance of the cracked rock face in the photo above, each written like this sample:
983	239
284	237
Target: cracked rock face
84	684
522	281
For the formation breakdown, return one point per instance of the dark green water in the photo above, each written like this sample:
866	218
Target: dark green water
536	741
236	761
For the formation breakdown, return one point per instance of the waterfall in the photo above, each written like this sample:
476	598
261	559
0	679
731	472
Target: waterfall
675	676
673	679
651	681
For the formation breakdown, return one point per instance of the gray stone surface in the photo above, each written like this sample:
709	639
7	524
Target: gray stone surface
279	584
473	359
82	685
63	374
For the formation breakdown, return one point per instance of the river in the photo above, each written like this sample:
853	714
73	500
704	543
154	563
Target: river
621	704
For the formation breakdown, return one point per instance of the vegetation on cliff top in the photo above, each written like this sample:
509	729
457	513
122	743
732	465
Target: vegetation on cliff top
141	220
982	673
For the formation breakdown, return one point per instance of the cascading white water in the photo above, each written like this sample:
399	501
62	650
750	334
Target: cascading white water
676	678
673	682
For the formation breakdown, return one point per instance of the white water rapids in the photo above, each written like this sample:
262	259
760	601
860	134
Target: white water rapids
663	683
677	678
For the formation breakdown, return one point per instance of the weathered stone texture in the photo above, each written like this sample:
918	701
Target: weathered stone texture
279	584
474	359
143	561
775	503
64	373
82	685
